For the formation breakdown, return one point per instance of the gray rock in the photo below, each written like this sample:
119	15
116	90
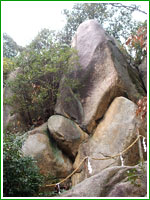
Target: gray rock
69	103
114	133
66	133
115	181
50	159
103	74
143	71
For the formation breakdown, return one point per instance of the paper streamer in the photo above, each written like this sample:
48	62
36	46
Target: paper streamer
89	166
122	161
58	187
144	144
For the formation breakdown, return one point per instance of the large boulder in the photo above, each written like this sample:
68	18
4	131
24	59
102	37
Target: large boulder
50	159
118	181
66	133
114	133
143	71
103	74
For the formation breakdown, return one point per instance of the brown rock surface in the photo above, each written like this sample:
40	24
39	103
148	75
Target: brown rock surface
66	133
50	159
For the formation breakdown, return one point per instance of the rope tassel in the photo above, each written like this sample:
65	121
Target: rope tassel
144	144
122	161
89	166
58	188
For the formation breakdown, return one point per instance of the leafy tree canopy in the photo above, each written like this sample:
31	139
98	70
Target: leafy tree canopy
35	88
10	47
43	41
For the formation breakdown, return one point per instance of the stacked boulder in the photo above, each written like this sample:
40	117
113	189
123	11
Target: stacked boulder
99	120
50	159
103	74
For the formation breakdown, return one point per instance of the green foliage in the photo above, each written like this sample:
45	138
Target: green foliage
43	40
35	88
8	66
48	194
116	19
10	47
21	177
49	191
121	23
118	22
133	175
53	191
80	13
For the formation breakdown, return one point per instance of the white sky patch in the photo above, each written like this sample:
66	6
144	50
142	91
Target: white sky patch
22	20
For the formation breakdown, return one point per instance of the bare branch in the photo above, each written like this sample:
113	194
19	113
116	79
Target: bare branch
132	8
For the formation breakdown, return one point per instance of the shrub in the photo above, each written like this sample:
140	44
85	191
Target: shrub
137	43
21	177
35	88
8	66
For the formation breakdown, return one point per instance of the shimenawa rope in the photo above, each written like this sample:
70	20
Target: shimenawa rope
107	158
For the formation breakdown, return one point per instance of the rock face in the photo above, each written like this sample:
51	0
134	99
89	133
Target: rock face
67	134
50	159
10	121
143	71
115	181
114	134
103	75
68	104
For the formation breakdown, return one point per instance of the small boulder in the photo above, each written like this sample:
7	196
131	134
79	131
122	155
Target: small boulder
50	159
66	133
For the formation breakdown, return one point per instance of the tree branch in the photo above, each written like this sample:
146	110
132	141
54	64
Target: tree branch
119	5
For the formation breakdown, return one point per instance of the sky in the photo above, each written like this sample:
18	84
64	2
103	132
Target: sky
22	20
